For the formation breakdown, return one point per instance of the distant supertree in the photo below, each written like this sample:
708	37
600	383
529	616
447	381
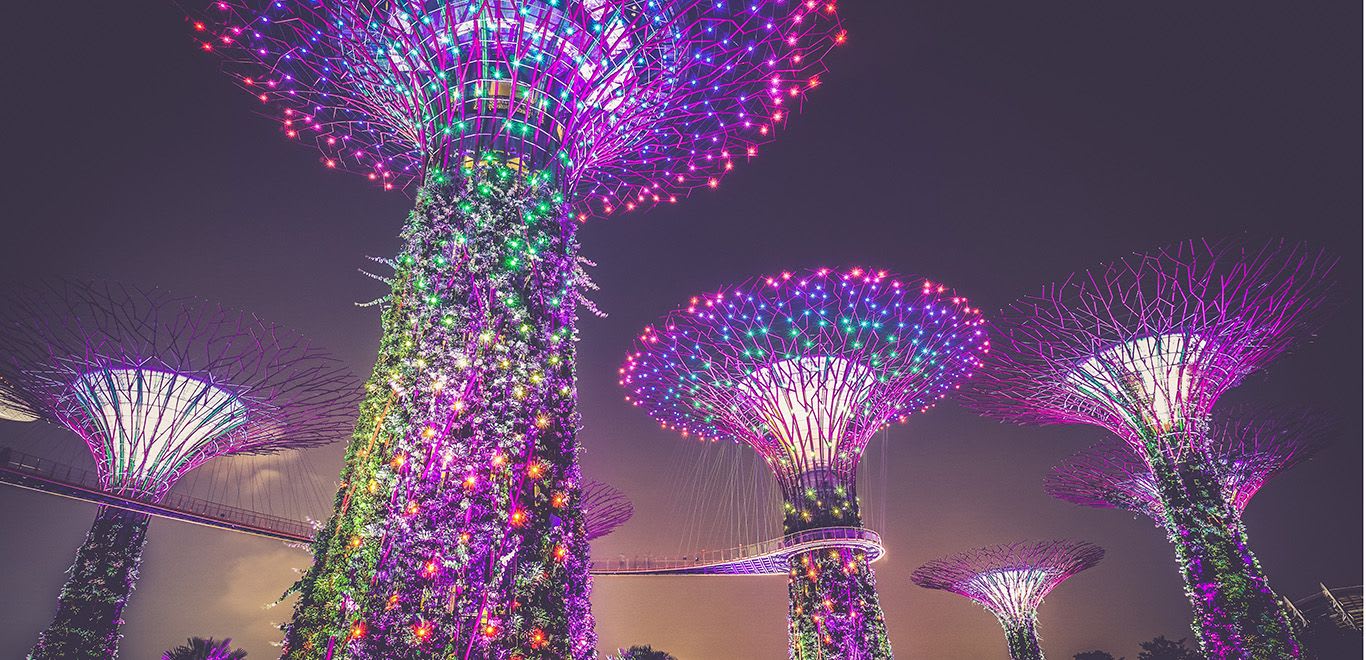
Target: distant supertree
605	508
1011	582
156	386
514	121
1248	447
1144	347
805	368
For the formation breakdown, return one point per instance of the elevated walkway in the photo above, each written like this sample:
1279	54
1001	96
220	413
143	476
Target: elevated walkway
1341	606
766	558
44	475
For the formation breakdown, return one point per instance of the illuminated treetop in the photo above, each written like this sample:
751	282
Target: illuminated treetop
157	385
605	508
630	102
805	367
1248	447
1011	580
1148	343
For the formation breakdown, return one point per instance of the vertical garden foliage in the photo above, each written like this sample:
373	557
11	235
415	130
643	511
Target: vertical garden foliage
1236	615
457	530
833	609
1022	638
90	607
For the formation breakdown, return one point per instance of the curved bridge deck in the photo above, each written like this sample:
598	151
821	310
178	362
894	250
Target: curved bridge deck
766	558
44	475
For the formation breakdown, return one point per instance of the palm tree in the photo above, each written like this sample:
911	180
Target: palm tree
198	648
1161	648
643	652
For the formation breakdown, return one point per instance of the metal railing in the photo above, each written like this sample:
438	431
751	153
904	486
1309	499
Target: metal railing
36	473
763	558
1341	605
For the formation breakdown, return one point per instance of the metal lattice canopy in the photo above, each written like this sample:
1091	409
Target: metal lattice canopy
605	508
1145	345
805	367
158	385
1010	580
1248	446
630	102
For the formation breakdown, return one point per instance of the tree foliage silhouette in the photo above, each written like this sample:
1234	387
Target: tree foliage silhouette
644	652
198	648
1161	648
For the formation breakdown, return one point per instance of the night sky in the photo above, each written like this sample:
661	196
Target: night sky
993	146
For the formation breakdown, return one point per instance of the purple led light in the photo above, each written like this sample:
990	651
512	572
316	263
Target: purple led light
805	368
629	103
1248	447
1011	581
157	385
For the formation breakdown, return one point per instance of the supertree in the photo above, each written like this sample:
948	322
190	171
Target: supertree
805	368
458	529
156	386
1011	581
605	508
1144	347
1248	447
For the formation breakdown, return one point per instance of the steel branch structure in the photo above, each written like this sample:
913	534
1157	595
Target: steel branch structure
605	508
1144	347
627	102
458	530
1248	447
804	368
1011	581
156	386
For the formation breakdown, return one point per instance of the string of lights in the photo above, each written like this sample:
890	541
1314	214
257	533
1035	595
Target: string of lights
1011	581
804	368
156	386
458	529
1144	347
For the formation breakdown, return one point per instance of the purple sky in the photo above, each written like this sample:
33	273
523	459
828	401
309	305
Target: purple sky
992	146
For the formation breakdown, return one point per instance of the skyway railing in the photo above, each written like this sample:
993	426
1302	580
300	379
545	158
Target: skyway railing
36	473
764	558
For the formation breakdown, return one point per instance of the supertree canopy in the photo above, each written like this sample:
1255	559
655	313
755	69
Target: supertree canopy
458	529
605	508
625	102
805	368
1011	581
1144	347
1248	447
156	386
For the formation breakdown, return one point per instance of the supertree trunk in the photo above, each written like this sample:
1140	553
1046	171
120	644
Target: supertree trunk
457	531
90	608
833	609
1022	638
1237	616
